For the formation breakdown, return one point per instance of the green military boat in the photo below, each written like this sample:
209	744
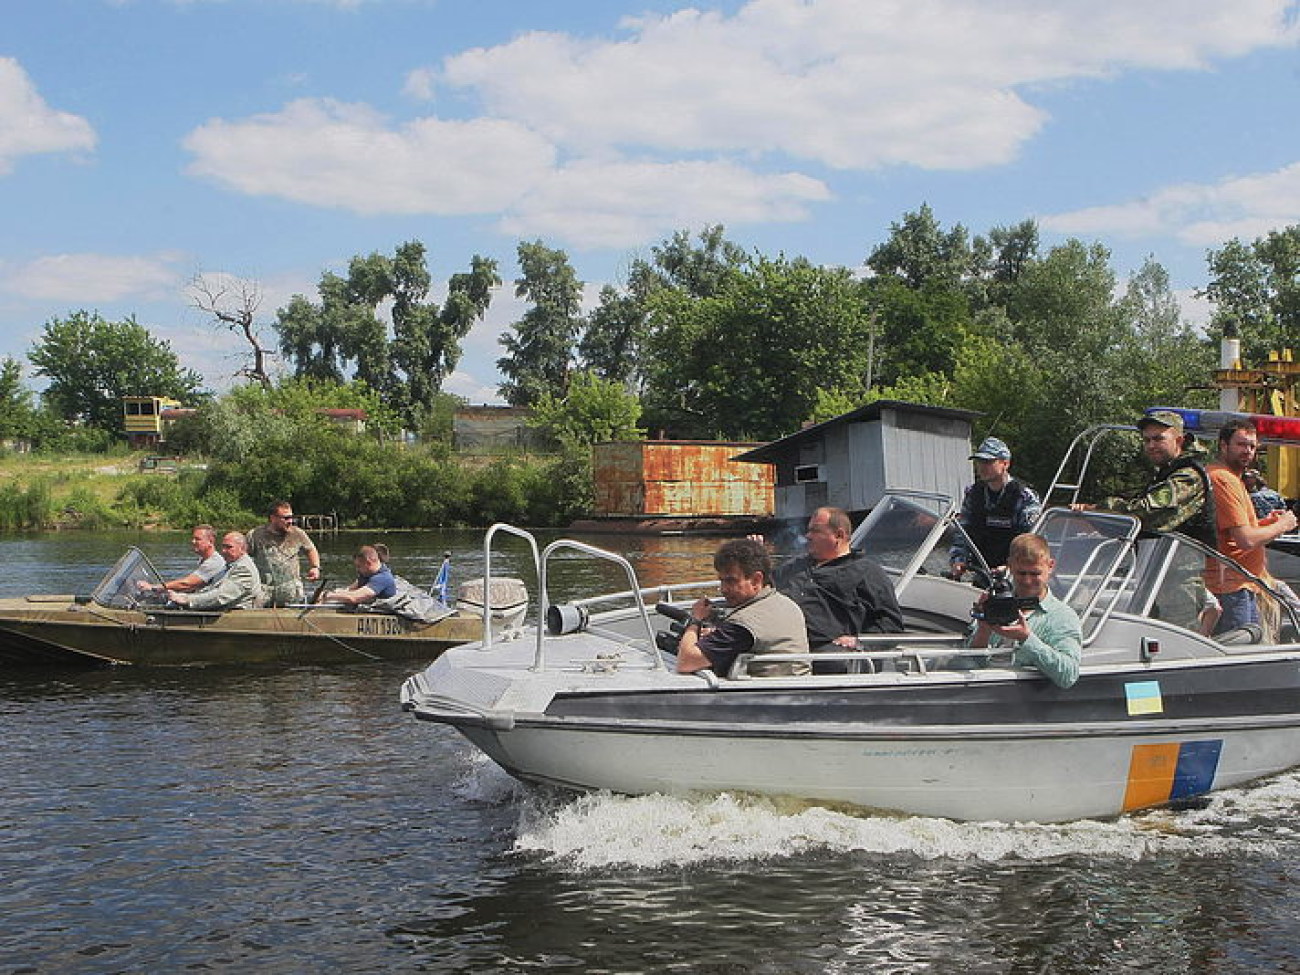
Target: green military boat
117	624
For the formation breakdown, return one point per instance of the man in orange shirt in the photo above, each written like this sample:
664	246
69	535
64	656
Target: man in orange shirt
1241	534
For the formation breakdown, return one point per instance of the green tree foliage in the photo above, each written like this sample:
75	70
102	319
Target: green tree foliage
17	409
1161	357
1256	288
594	410
749	361
92	363
248	419
918	329
919	253
540	346
347	331
618	327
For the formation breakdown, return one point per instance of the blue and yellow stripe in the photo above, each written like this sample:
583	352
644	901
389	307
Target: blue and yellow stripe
1167	771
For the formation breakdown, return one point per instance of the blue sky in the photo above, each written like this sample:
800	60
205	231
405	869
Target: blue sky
147	144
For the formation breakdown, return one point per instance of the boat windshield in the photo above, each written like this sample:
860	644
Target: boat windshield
121	589
903	527
1093	553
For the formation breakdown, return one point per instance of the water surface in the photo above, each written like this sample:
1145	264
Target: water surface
297	820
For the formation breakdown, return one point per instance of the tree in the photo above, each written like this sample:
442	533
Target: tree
594	410
1160	357
1257	286
919	329
1000	259
346	331
919	252
539	347
618	327
233	304
751	360
17	410
92	363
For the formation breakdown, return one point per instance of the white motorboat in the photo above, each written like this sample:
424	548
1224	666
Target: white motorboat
1161	713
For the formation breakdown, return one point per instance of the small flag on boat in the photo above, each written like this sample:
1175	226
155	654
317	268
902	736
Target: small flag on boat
442	584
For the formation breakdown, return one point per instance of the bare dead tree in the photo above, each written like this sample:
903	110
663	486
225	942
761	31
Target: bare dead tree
233	302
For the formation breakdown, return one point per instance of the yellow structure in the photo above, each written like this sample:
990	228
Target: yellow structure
1269	389
143	416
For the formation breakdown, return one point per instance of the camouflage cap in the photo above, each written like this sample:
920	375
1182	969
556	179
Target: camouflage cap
991	448
1165	418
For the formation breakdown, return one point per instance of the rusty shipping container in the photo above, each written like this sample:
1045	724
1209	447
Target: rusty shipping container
679	479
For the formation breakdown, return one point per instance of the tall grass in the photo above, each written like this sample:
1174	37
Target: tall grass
29	507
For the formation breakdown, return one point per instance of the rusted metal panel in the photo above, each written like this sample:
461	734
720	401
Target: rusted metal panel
678	478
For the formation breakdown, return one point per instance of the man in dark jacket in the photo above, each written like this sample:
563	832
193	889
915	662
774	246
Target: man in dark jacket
842	592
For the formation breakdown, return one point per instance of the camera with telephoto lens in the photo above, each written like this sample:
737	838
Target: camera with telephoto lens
667	640
1002	606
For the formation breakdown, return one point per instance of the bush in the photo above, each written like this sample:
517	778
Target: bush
83	509
30	507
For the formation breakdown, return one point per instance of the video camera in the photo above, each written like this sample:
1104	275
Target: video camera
1002	606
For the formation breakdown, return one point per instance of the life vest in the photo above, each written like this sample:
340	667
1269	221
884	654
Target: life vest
993	526
1202	524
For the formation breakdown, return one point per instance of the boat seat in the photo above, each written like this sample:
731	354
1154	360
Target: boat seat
1241	636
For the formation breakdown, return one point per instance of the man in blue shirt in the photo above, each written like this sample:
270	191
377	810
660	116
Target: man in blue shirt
374	581
1048	636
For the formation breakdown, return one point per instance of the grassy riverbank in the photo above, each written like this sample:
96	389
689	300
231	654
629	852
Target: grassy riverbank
365	484
41	491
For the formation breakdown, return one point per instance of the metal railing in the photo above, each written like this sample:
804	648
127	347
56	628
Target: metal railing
566	543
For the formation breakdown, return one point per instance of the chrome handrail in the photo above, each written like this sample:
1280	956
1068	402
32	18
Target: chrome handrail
486	642
633	588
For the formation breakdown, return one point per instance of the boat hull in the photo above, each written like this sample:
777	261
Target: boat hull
996	778
991	745
49	631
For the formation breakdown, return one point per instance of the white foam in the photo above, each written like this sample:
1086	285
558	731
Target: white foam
602	830
482	780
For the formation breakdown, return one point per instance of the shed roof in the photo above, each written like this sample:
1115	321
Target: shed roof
769	453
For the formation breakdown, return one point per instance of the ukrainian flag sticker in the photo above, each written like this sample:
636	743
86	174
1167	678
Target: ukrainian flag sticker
1144	697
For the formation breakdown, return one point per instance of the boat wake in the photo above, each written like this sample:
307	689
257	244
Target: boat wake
600	830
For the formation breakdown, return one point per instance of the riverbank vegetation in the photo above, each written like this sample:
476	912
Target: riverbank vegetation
702	340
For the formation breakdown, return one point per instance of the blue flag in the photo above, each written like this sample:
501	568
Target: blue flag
442	583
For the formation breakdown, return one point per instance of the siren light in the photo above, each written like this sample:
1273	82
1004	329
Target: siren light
1277	429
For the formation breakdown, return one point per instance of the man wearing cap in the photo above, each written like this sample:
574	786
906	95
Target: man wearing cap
994	510
1178	496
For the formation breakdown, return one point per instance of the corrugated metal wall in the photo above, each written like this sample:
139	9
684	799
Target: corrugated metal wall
678	479
860	461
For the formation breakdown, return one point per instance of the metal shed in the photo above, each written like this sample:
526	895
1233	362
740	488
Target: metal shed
851	460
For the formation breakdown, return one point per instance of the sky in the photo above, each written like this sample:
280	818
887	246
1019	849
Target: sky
149	145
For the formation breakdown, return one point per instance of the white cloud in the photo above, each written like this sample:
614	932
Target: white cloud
848	83
420	84
328	153
89	279
463	384
29	126
1196	214
619	204
695	116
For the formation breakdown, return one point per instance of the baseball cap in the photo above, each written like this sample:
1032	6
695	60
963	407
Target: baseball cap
1165	418
991	448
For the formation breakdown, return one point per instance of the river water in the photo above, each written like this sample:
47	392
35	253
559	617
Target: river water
298	821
